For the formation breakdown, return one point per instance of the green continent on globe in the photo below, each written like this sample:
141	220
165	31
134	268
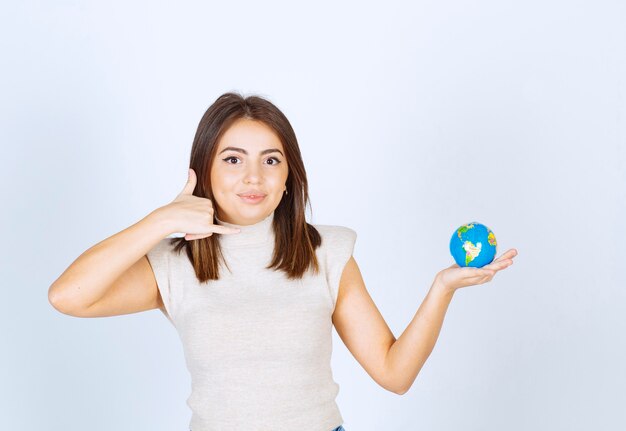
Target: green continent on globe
491	238
471	251
464	229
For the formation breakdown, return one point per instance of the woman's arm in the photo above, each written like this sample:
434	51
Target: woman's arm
410	351
394	364
88	278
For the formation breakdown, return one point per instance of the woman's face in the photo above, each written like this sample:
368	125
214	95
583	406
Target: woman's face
250	159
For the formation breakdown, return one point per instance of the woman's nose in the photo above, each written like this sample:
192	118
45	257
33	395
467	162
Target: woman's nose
253	173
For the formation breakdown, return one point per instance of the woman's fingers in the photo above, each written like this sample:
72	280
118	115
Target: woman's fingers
219	229
509	254
503	261
501	264
191	237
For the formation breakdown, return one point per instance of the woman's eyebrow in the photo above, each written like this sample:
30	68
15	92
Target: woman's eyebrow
241	150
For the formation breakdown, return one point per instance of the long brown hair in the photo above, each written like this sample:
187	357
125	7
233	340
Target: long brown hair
295	239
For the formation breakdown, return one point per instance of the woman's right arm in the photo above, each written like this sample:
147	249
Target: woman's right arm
114	276
116	264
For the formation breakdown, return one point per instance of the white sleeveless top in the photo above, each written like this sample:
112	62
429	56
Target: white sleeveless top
257	345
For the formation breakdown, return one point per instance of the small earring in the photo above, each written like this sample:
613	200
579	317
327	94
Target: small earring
286	192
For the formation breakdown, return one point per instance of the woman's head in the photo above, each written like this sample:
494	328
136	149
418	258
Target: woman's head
254	125
249	160
246	145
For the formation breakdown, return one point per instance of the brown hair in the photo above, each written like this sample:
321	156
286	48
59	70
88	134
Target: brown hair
295	239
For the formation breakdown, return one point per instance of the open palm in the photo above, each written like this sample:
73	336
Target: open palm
455	276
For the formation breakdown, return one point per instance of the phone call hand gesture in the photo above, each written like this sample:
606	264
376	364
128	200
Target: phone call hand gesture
194	215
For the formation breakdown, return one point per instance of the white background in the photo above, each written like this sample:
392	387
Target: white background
413	118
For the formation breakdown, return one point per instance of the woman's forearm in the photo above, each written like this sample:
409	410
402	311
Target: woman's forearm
87	279
409	352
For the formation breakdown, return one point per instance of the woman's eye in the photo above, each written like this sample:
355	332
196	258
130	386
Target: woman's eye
275	161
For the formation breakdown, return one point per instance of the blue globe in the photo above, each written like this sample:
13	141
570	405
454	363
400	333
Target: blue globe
473	244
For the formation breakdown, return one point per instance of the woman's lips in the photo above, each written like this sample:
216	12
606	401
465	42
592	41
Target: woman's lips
252	199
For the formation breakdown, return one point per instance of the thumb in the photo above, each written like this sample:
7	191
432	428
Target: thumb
191	183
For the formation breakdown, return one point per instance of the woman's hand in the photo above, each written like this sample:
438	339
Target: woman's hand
193	215
455	277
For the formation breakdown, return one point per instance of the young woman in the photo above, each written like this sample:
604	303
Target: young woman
254	304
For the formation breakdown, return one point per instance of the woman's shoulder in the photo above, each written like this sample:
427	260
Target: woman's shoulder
330	230
335	250
335	234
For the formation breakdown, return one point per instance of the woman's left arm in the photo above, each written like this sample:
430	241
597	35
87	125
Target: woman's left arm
410	351
394	364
